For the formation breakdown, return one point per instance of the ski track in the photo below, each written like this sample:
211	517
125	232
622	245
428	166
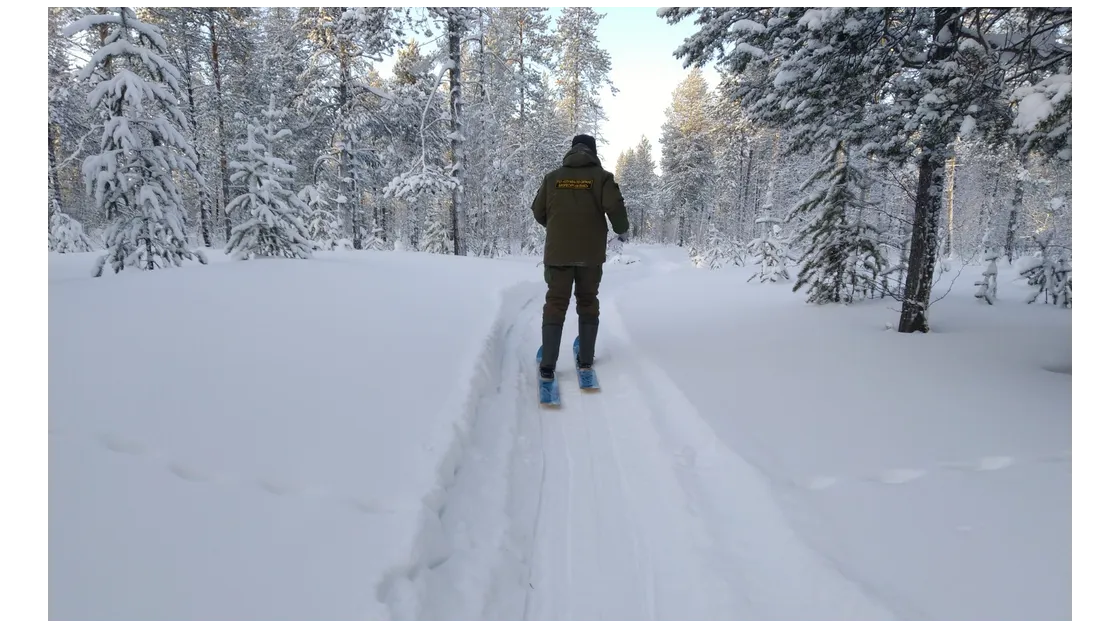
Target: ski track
621	504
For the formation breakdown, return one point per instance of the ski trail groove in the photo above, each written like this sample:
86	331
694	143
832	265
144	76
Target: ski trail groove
568	523
464	560
639	546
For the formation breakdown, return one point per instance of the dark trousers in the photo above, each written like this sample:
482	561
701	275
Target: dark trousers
559	294
560	280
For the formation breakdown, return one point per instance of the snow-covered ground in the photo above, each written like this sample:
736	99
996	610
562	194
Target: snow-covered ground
357	436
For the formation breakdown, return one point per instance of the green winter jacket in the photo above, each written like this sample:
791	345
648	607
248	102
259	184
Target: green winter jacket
573	204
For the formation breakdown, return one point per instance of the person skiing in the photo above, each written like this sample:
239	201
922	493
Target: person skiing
573	204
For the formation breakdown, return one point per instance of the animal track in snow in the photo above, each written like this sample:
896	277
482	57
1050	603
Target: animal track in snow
194	474
279	488
189	473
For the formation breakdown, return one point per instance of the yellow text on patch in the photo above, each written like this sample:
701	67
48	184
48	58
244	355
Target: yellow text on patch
575	184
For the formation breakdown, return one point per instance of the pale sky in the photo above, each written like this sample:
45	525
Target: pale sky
643	69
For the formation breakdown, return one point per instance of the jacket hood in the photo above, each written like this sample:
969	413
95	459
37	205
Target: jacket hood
579	156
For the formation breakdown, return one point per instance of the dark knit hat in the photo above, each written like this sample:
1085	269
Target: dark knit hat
585	140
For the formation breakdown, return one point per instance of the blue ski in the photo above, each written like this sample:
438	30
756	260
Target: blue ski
549	390
588	380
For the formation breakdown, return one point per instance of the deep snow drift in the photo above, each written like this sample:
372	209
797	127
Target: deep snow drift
357	436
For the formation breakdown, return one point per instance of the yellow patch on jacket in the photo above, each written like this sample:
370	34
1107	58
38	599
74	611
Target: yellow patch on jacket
574	184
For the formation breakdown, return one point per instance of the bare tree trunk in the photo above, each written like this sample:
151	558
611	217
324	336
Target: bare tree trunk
223	155
521	20
347	204
950	171
923	244
1013	218
927	209
52	164
744	190
203	190
454	40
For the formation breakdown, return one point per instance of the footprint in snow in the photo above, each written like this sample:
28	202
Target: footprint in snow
686	457
123	445
280	488
190	473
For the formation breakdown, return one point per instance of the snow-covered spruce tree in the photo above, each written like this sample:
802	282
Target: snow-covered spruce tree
987	284
274	227
770	250
324	229
434	238
1050	274
143	149
715	251
841	260
65	234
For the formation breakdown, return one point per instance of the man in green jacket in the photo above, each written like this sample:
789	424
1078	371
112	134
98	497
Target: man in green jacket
573	204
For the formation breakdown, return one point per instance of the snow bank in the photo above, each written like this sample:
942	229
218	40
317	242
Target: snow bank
932	470
255	440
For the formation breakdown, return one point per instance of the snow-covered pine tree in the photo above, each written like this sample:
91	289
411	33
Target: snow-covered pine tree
456	20
143	148
344	42
900	83
687	158
535	131
274	227
639	186
987	284
733	140
841	260
583	69
427	175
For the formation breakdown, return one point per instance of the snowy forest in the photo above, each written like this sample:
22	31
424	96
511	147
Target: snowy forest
853	153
